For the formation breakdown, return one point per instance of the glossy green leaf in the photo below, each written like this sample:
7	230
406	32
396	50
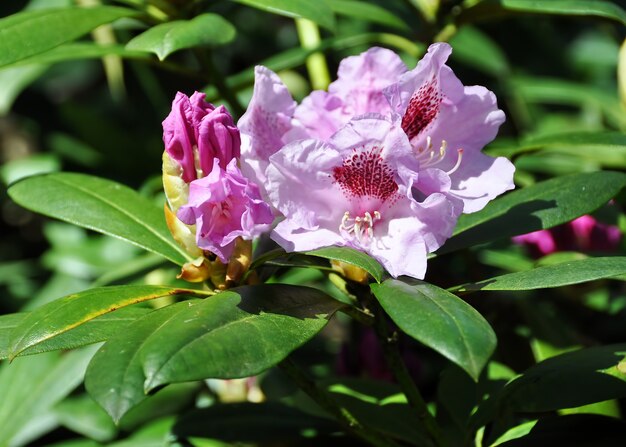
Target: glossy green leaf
543	205
557	275
367	11
30	386
439	320
475	49
28	33
556	382
93	331
266	422
317	11
353	257
237	333
115	376
100	205
64	314
205	30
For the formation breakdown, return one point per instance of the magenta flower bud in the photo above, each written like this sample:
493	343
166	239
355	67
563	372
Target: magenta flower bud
224	206
195	132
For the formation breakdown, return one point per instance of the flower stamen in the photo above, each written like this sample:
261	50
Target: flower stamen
361	226
458	162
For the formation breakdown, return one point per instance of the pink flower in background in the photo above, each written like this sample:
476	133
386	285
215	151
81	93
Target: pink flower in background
225	205
195	132
584	233
356	190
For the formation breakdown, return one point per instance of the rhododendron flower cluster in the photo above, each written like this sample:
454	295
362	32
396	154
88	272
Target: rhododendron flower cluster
385	161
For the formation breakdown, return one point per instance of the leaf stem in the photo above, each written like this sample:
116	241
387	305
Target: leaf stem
206	64
324	400
394	360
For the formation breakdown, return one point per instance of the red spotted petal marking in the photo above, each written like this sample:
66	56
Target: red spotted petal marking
422	110
366	174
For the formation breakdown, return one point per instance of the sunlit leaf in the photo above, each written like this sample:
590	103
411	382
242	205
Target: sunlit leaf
318	11
100	205
206	30
28	33
353	257
440	320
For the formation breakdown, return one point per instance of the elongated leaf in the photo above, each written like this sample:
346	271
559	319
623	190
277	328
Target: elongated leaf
100	205
556	382
558	91
353	257
440	320
30	386
585	144
82	415
557	275
367	11
204	30
235	334
115	376
536	207
79	50
66	313
596	8
317	11
14	80
29	33
93	331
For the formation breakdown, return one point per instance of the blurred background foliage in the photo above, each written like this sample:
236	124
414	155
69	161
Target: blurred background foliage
559	73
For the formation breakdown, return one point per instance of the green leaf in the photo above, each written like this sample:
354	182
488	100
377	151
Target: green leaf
115	376
557	275
556	382
206	30
31	386
439	320
352	257
605	148
543	205
596	8
93	331
367	11
475	49
237	333
494	8
557	91
100	205
77	51
318	11
267	422
66	313
28	33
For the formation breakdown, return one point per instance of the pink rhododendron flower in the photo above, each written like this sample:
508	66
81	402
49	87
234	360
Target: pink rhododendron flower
584	233
195	132
356	190
225	205
417	133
